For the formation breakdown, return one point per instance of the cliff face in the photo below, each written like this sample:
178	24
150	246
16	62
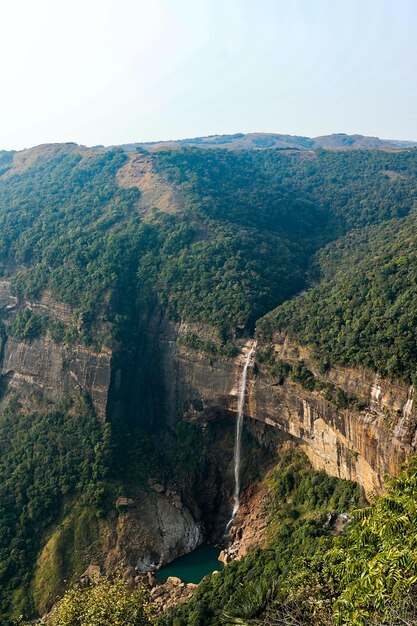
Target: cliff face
53	370
359	445
166	381
149	531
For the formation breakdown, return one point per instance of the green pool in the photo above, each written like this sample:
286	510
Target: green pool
192	567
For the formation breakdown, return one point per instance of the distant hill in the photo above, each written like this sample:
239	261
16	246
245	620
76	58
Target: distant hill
261	141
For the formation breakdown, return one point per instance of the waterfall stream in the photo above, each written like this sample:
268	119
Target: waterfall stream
238	434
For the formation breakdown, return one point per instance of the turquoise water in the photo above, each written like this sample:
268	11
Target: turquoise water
192	567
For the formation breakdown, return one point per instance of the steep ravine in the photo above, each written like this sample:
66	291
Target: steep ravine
162	381
362	445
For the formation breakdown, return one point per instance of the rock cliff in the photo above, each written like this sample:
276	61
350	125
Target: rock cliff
54	370
152	530
162	380
165	381
362	445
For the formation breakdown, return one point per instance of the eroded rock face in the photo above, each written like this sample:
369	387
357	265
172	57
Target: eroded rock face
167	381
150	534
249	527
358	445
55	371
347	444
172	382
171	593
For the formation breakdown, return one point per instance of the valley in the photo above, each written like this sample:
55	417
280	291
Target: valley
148	300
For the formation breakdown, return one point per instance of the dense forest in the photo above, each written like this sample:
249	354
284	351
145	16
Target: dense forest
307	573
364	310
34	493
240	246
319	244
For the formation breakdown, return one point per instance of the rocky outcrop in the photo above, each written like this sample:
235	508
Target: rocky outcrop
57	371
52	371
149	533
359	445
249	527
171	593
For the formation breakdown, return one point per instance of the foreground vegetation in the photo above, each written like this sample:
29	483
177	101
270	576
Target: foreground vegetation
46	458
307	574
312	571
108	602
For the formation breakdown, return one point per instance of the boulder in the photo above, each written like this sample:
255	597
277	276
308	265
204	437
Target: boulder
125	503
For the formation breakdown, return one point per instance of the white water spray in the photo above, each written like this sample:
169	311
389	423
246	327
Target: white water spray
238	435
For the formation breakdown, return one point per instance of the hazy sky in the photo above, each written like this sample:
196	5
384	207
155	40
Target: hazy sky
108	72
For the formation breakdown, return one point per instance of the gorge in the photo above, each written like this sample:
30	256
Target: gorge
173	322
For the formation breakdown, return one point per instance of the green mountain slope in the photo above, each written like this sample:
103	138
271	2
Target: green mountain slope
254	229
239	246
364	313
311	574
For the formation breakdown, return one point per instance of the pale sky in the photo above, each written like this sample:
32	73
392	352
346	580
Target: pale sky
111	72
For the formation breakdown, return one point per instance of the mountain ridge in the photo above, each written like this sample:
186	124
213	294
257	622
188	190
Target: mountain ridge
240	141
262	141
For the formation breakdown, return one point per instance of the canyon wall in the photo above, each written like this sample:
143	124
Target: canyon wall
163	381
362	445
45	369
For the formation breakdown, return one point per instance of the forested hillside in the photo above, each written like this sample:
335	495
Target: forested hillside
311	574
364	310
239	247
319	244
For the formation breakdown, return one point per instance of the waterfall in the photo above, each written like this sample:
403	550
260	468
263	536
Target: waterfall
238	434
408	406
